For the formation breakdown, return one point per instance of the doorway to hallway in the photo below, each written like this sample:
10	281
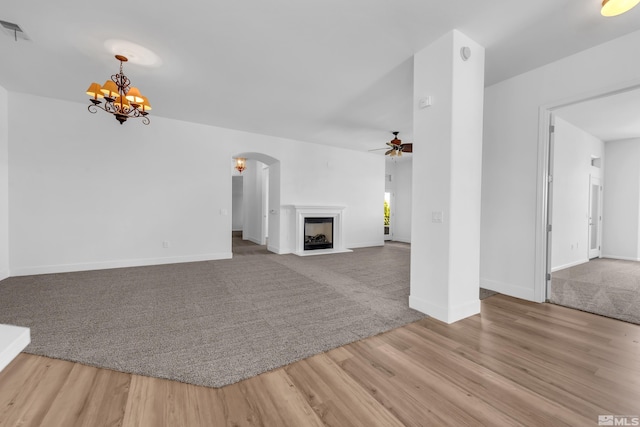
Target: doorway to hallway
388	234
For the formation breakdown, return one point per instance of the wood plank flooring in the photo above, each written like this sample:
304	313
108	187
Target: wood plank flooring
518	363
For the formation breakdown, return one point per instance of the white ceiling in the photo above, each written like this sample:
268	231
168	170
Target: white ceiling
331	72
609	118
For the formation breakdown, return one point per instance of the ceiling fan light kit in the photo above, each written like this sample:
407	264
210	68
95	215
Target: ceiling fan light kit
617	7
396	147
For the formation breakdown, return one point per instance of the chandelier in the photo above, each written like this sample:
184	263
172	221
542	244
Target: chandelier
120	98
241	164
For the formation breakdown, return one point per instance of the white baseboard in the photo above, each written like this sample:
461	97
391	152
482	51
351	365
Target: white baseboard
508	289
278	250
365	244
13	339
322	252
445	314
4	274
289	250
569	265
254	240
402	239
103	265
623	258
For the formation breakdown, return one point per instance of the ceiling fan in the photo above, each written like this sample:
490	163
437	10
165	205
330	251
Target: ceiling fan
396	147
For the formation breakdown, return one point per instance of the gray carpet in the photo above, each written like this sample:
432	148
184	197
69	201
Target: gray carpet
213	323
602	286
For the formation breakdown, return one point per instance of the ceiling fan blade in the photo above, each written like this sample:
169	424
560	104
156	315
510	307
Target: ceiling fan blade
389	152
408	147
378	149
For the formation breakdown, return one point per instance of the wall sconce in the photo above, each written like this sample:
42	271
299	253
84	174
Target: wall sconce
241	164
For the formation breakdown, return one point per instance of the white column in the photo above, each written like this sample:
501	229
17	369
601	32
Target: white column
447	161
13	339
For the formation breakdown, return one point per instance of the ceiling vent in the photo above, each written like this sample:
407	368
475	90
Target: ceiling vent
13	30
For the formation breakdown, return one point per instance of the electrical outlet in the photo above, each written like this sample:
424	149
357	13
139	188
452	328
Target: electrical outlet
165	244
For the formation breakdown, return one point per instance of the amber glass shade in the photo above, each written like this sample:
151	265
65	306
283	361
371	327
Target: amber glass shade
94	91
134	96
110	89
145	104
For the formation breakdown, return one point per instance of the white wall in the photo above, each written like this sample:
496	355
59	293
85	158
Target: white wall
86	192
315	175
4	185
237	212
252	190
274	223
571	171
401	171
621	207
511	247
403	183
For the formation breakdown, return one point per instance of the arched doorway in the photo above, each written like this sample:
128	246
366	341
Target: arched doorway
256	193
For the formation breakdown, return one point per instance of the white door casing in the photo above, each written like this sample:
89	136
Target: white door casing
595	217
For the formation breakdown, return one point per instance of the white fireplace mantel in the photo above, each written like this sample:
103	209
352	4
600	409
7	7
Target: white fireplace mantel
300	212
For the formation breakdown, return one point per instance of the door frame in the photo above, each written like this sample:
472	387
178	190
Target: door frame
595	253
549	206
542	239
391	203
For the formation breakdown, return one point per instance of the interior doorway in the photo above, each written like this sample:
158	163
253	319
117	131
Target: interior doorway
595	217
265	205
260	200
607	115
592	206
388	233
237	205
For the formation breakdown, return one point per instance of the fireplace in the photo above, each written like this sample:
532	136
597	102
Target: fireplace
315	230
318	233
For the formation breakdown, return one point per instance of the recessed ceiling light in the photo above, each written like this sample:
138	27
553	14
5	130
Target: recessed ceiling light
135	53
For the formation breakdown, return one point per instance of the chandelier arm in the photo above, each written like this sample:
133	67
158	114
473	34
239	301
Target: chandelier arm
93	108
109	107
134	112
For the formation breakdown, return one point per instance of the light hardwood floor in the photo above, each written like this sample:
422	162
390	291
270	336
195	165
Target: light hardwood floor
518	363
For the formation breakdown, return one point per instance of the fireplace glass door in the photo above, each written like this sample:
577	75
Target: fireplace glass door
318	233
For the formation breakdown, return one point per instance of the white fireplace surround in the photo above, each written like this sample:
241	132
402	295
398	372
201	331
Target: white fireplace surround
305	211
